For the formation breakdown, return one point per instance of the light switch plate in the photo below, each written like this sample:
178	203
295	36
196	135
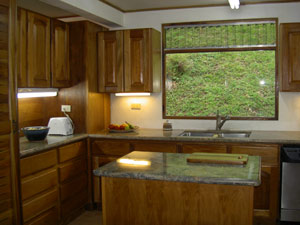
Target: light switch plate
66	108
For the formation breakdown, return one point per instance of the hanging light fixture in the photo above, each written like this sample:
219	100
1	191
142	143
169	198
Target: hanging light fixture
234	4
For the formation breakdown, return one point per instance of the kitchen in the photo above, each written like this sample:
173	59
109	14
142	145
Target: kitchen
87	104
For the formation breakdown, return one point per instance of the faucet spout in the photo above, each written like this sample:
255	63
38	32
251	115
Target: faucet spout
219	122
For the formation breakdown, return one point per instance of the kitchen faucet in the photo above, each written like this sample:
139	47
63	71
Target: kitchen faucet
219	122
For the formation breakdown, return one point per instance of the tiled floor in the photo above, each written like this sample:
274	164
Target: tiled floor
88	218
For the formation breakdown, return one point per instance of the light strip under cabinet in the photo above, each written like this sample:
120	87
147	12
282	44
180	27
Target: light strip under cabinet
133	94
37	92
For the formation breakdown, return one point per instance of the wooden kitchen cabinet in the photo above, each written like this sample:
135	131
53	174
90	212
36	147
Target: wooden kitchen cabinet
290	56
60	71
204	147
129	61
54	184
43	52
38	50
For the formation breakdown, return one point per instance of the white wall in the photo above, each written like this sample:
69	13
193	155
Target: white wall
150	116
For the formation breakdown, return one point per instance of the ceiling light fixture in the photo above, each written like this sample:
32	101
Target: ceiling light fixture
234	4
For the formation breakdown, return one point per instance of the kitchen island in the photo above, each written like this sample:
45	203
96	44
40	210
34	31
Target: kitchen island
162	188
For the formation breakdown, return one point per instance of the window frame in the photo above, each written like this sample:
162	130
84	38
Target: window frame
170	51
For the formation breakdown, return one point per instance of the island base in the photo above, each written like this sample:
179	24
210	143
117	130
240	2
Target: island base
153	202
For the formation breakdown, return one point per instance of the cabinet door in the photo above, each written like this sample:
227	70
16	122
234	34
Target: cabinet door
110	147
265	195
154	147
110	61
60	54
137	60
205	147
38	50
22	53
290	56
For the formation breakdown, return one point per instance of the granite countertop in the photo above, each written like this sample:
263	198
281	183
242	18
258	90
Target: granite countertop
174	167
276	137
28	148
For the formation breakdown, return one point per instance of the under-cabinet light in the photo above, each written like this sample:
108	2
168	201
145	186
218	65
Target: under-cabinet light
234	4
134	162
133	94
37	92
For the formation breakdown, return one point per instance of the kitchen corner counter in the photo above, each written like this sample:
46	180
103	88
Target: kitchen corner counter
275	137
174	167
28	148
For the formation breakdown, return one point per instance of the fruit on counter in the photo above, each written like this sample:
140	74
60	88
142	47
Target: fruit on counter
130	125
124	126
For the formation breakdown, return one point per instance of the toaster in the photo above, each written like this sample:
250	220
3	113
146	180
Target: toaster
60	126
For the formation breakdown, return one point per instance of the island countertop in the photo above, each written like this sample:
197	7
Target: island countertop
174	167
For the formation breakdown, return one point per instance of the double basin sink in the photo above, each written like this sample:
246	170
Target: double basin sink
216	134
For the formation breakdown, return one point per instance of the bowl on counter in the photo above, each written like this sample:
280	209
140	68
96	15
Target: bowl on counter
35	133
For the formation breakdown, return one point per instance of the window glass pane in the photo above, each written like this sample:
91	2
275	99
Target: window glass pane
237	83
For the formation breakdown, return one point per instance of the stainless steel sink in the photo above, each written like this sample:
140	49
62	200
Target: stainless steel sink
216	134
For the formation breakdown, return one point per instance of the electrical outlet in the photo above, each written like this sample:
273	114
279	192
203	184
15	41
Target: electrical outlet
66	108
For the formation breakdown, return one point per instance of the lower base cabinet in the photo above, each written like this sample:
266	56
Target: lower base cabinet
54	184
266	196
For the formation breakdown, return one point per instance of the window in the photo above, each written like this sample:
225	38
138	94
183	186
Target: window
228	66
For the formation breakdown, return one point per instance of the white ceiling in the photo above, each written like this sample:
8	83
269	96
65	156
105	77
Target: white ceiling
143	5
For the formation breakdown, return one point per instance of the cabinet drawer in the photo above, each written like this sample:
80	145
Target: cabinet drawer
269	154
118	148
40	204
155	147
71	151
49	217
38	183
76	185
71	169
205	147
36	163
74	203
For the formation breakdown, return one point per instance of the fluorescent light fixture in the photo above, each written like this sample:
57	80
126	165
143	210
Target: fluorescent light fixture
37	92
133	94
134	162
234	4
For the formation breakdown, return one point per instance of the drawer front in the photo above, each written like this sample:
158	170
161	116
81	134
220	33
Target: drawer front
40	204
38	183
49	217
74	203
71	188
117	148
36	163
155	147
205	147
71	169
269	154
71	151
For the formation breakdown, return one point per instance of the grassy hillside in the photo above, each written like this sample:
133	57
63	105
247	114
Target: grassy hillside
239	84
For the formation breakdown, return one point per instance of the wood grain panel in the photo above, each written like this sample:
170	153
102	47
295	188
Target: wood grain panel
110	61
22	48
269	153
205	147
290	56
49	217
74	203
110	147
73	187
38	183
40	204
71	151
72	169
154	147
38	50
60	54
145	202
38	162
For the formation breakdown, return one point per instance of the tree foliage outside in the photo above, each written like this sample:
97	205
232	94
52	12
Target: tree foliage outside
237	83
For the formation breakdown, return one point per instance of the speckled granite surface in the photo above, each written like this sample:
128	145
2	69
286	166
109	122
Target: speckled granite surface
174	167
28	148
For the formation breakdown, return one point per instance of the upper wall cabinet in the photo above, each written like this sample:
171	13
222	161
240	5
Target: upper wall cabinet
129	61
43	51
60	54
290	56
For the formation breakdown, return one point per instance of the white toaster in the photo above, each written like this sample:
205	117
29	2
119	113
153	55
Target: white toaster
60	126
